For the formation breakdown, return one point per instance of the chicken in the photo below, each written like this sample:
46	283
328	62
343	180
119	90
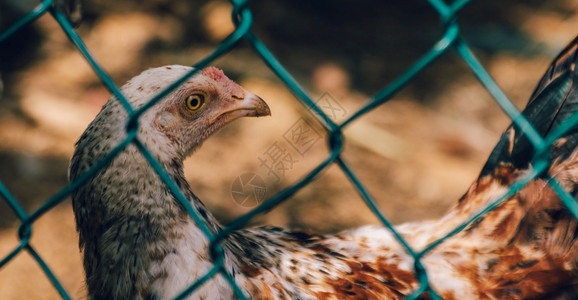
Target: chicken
139	243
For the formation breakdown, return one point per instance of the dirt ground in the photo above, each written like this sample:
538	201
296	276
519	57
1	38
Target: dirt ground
416	154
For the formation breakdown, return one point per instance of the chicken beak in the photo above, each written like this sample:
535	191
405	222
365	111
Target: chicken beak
250	105
255	104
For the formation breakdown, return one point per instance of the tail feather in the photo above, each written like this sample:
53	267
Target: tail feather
554	100
531	238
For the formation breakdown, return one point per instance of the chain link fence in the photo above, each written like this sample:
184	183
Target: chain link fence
242	18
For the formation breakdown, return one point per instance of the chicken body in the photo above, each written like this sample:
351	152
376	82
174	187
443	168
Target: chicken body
139	243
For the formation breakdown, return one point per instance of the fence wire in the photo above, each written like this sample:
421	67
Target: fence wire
242	18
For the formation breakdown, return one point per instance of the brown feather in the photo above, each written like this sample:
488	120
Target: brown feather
139	243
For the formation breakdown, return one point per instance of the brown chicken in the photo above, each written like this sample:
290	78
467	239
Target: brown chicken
139	243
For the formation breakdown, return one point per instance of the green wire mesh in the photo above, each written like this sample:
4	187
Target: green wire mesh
242	18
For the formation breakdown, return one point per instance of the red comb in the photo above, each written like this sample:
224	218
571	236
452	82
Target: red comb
214	73
230	86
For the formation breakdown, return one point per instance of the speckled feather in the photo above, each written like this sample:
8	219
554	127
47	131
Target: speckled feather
139	243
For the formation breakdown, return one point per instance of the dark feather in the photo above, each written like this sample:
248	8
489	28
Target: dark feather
554	100
139	244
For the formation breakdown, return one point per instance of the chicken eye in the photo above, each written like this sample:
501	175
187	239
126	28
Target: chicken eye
195	101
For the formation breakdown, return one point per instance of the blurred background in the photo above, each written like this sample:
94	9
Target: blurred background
417	154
